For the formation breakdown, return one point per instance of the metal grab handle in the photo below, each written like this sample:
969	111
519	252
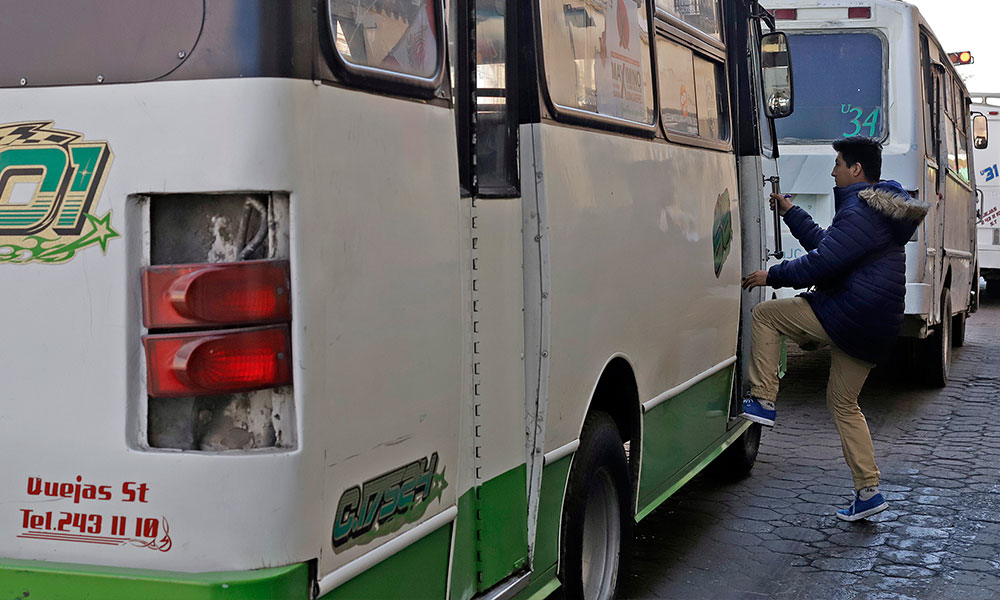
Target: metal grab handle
776	189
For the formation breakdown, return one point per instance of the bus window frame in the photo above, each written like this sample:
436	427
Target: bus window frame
878	33
962	135
385	80
707	48
576	116
929	98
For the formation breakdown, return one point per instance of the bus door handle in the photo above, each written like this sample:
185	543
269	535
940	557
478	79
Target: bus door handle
776	189
982	204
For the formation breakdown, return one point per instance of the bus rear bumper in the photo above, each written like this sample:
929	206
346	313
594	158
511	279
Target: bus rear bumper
989	261
40	579
918	299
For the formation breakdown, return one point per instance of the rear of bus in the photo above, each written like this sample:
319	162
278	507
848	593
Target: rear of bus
232	295
853	60
988	182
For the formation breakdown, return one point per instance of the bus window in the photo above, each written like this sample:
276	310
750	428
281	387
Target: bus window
930	103
692	92
949	134
496	124
962	143
597	58
702	14
678	106
387	35
710	87
839	87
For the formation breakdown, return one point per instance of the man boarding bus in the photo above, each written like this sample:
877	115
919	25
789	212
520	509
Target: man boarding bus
294	314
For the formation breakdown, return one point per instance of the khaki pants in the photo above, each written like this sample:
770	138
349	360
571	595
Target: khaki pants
793	317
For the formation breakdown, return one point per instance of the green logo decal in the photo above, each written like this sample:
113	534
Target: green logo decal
385	503
50	180
722	231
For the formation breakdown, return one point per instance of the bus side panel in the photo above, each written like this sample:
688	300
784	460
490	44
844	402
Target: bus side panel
385	322
631	227
958	243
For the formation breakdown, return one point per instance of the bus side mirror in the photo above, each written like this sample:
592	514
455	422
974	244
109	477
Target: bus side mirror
776	71
980	131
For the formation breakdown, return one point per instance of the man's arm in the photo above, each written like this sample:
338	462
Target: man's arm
805	230
839	248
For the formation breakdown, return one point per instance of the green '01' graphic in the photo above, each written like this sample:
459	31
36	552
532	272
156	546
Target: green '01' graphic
50	180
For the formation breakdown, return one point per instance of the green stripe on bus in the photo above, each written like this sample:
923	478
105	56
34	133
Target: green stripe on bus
704	411
550	504
38	579
503	502
417	571
463	569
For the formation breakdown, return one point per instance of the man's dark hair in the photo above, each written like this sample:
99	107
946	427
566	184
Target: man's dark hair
866	151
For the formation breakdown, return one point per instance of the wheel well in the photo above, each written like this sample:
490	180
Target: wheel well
618	395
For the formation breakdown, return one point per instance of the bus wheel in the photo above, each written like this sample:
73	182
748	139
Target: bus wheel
738	459
958	330
597	518
937	348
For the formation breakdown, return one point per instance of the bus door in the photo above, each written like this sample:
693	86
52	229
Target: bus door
492	540
957	241
758	161
936	178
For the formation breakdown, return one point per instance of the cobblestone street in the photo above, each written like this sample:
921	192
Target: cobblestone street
774	535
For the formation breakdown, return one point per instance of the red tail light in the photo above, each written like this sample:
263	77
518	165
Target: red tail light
859	12
786	14
216	294
218	362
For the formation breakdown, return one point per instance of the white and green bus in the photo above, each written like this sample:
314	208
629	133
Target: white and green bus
382	299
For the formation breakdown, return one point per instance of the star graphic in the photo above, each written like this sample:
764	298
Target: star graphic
102	230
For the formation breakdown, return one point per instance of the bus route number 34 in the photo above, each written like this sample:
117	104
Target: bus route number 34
870	121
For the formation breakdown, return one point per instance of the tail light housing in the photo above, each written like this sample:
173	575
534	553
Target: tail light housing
212	294
211	361
216	307
218	362
786	14
859	12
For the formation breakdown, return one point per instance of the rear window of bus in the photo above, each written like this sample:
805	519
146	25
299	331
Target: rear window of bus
839	87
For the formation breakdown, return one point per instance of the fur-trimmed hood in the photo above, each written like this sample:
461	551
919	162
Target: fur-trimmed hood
891	200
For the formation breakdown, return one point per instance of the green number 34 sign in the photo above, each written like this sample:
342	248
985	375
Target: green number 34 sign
870	121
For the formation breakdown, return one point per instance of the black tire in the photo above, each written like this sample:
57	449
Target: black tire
599	493
738	459
936	351
958	330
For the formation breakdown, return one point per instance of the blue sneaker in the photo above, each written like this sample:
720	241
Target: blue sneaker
861	509
754	411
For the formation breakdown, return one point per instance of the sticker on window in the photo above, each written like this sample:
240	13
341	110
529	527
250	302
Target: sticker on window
620	82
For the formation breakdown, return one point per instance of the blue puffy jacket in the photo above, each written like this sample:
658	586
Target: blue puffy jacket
857	267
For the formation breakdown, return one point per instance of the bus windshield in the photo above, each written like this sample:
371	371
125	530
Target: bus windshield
838	87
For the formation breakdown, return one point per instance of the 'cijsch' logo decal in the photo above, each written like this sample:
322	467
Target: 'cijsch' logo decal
50	181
